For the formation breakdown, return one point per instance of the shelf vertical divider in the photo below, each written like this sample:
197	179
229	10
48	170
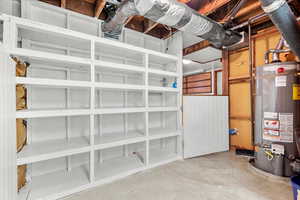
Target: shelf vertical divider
13	35
68	119
180	107
8	167
92	113
99	120
125	102
6	33
146	62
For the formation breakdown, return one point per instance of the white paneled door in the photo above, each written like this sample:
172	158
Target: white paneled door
205	122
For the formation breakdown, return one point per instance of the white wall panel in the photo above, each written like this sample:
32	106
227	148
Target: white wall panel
205	120
8	169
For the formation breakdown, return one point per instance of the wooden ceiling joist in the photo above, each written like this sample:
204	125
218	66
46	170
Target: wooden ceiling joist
52	2
129	20
94	8
90	1
99	7
255	5
205	7
196	47
63	3
149	25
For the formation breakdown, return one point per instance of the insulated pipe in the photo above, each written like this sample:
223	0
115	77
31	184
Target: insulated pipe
284	19
173	14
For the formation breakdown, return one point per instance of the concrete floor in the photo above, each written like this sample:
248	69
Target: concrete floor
221	176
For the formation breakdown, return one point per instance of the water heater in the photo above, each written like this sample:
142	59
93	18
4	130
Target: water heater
277	117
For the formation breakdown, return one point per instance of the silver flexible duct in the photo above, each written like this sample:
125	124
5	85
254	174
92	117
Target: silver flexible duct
173	14
284	19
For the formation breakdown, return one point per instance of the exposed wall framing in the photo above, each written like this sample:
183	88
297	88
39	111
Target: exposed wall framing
241	83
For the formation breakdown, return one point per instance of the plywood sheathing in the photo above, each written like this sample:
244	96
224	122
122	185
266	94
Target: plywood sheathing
239	64
240	99
243	139
240	114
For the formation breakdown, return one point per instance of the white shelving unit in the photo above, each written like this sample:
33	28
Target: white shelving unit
96	111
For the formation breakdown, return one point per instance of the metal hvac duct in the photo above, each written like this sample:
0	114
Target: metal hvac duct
284	19
173	14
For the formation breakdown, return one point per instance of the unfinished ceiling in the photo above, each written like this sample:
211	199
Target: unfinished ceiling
103	9
228	12
219	10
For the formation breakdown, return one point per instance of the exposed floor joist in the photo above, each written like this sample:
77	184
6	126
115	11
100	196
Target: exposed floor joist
129	20
63	3
96	8
205	6
99	7
150	25
215	9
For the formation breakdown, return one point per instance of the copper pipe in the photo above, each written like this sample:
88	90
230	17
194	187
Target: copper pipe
248	9
232	14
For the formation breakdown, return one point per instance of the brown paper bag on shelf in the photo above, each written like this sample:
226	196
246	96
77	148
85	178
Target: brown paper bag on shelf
21	134
21	67
20	104
21	176
20	91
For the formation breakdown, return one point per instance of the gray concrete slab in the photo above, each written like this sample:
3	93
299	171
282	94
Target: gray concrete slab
221	176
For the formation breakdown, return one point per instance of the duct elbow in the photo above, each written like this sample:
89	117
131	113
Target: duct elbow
113	27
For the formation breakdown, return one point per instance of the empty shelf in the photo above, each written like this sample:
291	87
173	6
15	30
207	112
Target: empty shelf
38	55
163	89
52	82
55	185
126	47
118	110
70	83
51	113
163	109
119	86
52	149
118	138
117	166
157	156
157	133
163	73
105	64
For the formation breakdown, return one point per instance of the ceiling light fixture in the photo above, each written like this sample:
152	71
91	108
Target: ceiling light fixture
186	62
